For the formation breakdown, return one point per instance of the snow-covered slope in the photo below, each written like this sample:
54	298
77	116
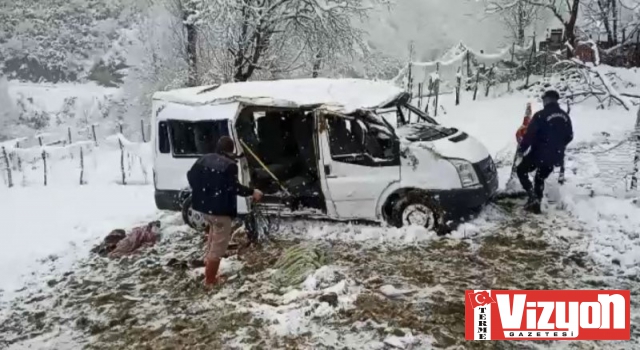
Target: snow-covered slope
46	230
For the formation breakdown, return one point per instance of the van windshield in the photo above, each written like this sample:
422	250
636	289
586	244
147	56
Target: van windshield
193	139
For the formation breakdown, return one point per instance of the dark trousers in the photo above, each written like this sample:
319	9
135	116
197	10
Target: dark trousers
527	166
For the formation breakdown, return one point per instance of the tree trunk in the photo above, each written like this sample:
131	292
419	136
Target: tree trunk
530	62
605	9
521	23
192	59
614	12
570	26
317	64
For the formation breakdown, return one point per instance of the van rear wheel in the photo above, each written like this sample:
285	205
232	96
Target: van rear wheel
418	209
194	219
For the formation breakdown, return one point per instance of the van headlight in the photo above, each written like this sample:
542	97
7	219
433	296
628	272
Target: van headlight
468	176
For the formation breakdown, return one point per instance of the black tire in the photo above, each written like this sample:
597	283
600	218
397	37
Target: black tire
420	203
188	213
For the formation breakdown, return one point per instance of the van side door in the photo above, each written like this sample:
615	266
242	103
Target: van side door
358	164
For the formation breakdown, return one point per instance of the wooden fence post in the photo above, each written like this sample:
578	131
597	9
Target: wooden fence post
122	167
636	158
144	139
489	80
475	89
44	161
18	157
93	133
81	166
420	95
70	140
430	86
437	89
8	165
410	79
458	85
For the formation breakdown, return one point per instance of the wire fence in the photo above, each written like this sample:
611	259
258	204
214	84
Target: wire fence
19	157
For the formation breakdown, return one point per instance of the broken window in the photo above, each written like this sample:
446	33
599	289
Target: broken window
345	137
352	139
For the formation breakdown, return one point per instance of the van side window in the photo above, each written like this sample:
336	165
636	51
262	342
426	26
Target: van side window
163	138
345	138
194	139
356	142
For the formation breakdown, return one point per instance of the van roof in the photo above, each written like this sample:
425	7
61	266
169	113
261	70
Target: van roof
343	95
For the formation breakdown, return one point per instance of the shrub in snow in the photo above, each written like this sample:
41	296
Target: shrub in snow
297	263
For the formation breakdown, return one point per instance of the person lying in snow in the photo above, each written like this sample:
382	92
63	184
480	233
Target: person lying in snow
545	139
215	189
118	244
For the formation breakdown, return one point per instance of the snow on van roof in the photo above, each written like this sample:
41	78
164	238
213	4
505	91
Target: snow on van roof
345	95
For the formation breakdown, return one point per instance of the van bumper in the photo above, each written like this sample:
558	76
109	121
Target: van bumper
462	202
169	199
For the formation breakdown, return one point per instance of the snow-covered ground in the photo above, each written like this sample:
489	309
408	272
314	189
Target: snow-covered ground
382	287
54	225
50	227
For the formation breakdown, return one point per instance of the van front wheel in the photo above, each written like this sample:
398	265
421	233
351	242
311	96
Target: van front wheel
193	218
417	209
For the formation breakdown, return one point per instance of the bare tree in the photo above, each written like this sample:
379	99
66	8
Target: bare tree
625	22
601	17
565	11
282	35
517	16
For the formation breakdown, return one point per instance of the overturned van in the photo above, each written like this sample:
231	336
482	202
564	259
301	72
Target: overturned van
323	148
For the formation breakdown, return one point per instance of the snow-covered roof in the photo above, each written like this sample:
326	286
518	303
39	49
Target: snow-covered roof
338	94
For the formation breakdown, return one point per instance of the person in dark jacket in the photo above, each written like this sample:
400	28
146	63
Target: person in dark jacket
547	136
214	191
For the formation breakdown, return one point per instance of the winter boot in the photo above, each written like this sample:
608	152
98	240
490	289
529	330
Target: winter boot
533	207
211	272
533	204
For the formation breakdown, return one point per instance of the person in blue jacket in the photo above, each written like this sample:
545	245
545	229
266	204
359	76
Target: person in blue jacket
543	147
214	191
